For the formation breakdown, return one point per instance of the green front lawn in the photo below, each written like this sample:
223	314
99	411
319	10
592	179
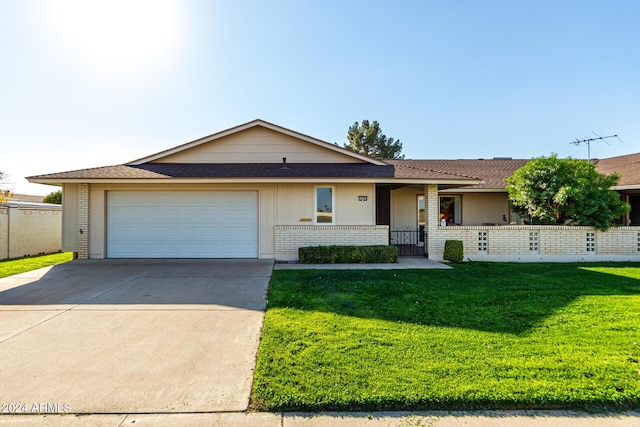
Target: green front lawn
20	265
479	336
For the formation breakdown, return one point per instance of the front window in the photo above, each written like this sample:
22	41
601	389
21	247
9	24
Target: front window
516	219
324	205
450	210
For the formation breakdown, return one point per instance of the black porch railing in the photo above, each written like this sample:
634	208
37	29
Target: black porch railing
410	242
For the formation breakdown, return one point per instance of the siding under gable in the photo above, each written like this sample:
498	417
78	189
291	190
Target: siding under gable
257	145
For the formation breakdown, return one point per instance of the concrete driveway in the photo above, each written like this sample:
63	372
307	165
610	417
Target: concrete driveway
127	336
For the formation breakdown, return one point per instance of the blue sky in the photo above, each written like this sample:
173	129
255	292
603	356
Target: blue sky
94	83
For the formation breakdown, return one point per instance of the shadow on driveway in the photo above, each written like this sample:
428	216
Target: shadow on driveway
223	283
127	336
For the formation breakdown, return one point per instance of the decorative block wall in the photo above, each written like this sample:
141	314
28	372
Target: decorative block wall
288	238
520	240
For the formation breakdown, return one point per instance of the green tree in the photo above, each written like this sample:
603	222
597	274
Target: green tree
566	192
54	197
368	139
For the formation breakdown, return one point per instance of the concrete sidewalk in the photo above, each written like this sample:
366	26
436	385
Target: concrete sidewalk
340	419
404	263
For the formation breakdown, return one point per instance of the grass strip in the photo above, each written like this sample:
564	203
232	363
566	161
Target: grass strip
20	265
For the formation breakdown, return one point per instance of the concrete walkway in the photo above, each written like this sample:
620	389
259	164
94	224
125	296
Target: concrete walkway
375	419
418	263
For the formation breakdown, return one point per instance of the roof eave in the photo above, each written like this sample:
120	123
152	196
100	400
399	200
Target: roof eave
626	187
475	190
273	180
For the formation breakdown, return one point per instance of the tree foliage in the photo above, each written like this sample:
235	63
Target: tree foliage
368	139
54	197
567	191
4	193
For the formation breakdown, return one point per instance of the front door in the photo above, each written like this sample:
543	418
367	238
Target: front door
383	205
634	215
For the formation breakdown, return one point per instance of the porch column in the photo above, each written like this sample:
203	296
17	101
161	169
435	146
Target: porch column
431	214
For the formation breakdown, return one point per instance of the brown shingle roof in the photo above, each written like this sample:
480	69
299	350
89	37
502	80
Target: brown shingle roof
268	170
628	166
105	172
255	170
492	171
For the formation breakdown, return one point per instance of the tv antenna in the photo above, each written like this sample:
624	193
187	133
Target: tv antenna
588	141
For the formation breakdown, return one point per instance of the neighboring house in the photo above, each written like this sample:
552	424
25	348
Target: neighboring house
28	227
26	198
487	203
629	185
259	190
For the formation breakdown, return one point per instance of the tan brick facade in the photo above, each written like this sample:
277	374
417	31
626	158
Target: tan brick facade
542	242
83	221
288	238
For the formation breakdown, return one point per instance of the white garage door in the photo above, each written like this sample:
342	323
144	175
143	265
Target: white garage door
187	224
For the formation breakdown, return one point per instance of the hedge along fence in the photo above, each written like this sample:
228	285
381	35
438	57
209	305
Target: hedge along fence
348	254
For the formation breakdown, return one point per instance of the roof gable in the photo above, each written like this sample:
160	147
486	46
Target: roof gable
257	142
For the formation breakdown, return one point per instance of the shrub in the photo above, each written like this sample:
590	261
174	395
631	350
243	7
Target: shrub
347	254
55	198
453	250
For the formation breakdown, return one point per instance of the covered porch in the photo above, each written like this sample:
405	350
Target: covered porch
411	211
421	218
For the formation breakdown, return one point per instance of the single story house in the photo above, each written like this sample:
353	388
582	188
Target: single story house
259	190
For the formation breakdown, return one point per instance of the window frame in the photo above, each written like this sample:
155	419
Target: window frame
457	209
315	205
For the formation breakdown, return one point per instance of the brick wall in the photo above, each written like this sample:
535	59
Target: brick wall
511	242
83	221
288	238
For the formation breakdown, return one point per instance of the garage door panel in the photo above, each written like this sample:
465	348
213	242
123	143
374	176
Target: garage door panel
198	224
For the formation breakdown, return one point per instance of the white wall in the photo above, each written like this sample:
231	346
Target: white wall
404	208
481	208
29	231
